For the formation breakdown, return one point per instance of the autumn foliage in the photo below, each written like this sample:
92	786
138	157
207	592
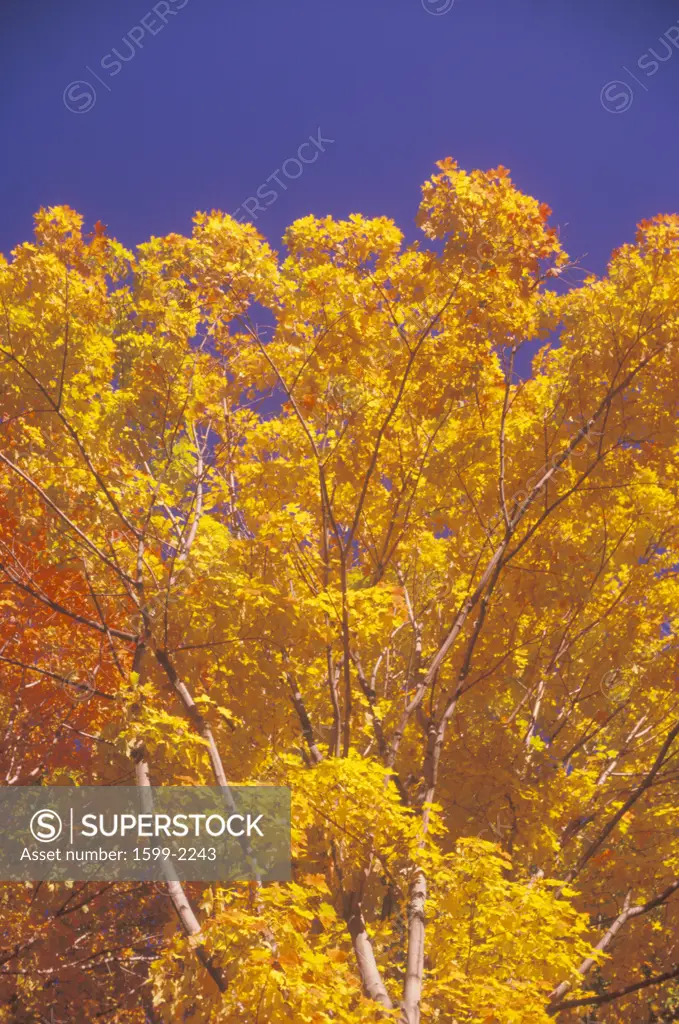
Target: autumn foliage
354	552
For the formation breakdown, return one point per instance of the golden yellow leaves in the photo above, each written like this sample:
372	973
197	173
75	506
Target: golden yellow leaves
500	944
302	555
279	955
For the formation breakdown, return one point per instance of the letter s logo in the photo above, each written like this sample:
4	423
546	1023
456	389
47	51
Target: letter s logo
617	97
46	826
79	97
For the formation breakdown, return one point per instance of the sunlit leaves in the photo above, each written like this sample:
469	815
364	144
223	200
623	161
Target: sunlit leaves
292	478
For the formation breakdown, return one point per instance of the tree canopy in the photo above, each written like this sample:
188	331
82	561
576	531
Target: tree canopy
297	519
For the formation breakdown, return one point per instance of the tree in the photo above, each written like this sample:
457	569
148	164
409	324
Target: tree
352	552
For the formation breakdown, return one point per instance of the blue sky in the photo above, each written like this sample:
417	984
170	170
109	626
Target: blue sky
217	94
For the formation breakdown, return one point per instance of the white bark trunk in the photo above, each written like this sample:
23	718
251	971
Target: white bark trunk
412	991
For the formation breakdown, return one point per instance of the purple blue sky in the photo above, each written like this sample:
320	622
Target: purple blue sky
217	94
